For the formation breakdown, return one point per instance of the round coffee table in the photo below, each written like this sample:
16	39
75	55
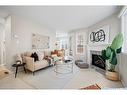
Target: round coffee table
64	67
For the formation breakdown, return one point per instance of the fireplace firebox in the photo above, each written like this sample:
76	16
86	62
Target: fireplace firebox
98	61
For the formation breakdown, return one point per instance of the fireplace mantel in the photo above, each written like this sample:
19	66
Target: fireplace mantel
94	47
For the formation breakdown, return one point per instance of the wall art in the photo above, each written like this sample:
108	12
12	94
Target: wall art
40	41
99	36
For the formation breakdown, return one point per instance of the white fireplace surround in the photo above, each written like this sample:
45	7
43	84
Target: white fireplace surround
94	48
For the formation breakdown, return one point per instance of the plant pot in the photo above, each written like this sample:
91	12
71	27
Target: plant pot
112	75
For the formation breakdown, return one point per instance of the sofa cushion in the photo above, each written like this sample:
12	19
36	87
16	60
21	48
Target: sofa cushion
35	56
41	64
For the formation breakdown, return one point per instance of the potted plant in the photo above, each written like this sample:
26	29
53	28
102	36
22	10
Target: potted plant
110	55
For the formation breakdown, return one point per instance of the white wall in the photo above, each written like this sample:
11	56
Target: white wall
123	69
114	23
24	29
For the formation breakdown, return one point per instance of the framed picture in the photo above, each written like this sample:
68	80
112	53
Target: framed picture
40	41
99	36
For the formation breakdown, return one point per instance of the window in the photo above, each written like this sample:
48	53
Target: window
70	46
62	40
79	43
123	16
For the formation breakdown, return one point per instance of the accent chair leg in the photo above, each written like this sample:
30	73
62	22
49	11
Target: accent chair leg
16	71
24	69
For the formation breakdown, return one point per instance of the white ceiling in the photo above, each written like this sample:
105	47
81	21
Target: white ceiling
64	18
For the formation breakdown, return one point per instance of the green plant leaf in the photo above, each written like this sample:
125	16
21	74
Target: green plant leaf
117	42
108	52
113	58
119	50
103	53
110	59
114	61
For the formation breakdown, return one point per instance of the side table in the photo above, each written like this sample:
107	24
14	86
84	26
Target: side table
19	65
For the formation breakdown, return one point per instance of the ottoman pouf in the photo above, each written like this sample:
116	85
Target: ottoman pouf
77	61
83	65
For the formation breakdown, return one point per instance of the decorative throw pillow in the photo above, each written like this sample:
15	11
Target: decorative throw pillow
35	56
54	55
18	58
32	55
40	55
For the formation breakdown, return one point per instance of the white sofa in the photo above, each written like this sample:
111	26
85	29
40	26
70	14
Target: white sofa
34	66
